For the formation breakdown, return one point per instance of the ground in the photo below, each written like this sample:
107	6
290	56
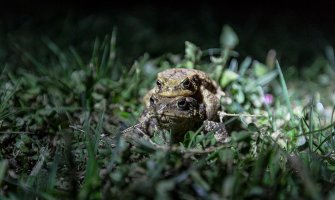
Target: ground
62	112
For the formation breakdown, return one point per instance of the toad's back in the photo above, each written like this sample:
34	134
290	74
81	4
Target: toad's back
180	73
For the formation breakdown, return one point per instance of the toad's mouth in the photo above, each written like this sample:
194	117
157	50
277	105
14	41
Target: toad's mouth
166	121
176	93
170	117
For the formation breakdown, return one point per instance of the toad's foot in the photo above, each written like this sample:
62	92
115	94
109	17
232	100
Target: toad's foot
135	132
220	132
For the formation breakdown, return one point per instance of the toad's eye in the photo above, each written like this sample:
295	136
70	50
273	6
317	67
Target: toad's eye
186	83
182	104
159	84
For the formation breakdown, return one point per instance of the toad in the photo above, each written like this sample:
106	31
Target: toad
177	115
184	82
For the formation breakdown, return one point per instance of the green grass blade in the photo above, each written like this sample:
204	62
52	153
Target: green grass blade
3	169
285	90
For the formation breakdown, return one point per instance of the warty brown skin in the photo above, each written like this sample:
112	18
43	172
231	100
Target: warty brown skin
194	83
177	115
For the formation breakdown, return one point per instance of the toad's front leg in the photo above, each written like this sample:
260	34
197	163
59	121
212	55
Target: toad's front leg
219	129
136	132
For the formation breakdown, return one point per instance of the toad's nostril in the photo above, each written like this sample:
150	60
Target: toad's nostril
159	84
152	101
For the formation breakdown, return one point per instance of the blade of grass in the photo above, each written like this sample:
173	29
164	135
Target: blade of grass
3	169
331	121
94	58
92	179
53	172
330	56
285	90
244	66
63	60
311	127
106	48
78	59
112	52
39	66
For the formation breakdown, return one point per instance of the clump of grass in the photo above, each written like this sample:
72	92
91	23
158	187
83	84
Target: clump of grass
60	131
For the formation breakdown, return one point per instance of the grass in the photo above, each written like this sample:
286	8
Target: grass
61	124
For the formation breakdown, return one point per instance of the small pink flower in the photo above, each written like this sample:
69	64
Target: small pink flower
268	99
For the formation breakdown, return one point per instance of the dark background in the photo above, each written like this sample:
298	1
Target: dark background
299	32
